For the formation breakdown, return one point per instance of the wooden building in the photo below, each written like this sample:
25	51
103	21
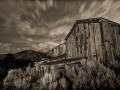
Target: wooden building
58	51
95	37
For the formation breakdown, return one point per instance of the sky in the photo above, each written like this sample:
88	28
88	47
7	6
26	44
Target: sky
42	24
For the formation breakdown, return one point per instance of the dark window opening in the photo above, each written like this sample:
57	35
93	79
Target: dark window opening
77	49
52	52
89	34
84	26
76	41
81	50
81	39
119	31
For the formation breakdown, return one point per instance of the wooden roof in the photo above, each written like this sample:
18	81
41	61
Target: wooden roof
99	19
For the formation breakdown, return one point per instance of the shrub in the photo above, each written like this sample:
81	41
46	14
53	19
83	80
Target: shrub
89	75
21	79
93	75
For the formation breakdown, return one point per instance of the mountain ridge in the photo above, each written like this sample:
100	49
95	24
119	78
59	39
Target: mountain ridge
26	55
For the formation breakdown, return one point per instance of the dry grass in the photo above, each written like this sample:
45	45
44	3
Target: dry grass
89	75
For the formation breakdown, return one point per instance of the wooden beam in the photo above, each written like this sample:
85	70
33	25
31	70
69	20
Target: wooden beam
65	60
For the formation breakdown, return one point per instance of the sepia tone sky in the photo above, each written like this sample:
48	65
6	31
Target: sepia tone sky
40	25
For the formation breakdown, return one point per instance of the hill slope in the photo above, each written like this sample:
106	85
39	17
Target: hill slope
26	55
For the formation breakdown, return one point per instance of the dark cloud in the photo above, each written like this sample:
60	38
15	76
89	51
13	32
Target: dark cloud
2	23
2	20
42	24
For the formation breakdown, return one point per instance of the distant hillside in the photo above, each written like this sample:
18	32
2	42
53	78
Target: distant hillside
2	56
18	60
26	55
30	54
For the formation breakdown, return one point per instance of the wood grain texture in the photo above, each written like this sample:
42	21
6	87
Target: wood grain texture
98	39
89	39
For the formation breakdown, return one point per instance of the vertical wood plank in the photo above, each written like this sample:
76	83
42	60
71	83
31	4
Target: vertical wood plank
72	36
78	40
93	53
104	32
79	49
96	38
116	39
87	38
77	28
83	39
111	48
99	42
70	45
75	41
67	49
108	41
89	45
119	39
101	38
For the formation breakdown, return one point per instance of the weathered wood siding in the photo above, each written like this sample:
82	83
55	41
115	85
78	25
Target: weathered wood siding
94	38
89	39
57	51
84	41
111	40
